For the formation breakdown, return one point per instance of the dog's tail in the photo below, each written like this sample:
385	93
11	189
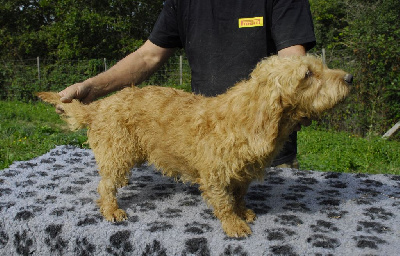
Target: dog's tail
76	114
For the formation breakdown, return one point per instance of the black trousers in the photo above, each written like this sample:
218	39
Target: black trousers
289	151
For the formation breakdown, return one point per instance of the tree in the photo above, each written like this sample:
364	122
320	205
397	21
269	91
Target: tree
373	37
20	21
66	29
362	37
330	18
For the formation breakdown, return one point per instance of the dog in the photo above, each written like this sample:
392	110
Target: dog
221	143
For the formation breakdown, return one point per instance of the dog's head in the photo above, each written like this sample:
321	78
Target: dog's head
303	86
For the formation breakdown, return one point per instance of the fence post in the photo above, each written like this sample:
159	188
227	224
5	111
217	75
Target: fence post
180	70
105	64
38	67
392	130
323	56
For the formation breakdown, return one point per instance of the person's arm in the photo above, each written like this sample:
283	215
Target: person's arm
133	69
295	50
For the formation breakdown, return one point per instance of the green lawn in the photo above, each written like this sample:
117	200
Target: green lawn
344	152
30	130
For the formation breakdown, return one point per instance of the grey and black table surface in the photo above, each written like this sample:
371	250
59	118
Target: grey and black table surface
48	207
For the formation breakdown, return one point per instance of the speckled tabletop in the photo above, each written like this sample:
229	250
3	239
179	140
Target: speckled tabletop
47	207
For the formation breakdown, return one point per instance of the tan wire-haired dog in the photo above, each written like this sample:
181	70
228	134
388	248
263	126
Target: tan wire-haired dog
221	143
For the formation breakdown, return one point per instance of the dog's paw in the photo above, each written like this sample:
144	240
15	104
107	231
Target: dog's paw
236	228
246	214
115	216
249	216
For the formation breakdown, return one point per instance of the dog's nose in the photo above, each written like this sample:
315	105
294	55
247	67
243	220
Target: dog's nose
348	78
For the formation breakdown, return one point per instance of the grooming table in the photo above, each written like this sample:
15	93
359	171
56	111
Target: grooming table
48	207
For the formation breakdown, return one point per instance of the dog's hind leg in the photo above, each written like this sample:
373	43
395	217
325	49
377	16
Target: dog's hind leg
113	171
222	200
114	150
108	201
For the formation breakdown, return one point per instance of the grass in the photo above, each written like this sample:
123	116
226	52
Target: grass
344	152
30	130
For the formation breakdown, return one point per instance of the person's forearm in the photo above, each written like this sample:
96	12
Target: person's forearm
133	69
295	50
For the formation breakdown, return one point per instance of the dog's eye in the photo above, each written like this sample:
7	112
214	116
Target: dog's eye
308	74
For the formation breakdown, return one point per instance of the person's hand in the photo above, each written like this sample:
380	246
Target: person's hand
79	91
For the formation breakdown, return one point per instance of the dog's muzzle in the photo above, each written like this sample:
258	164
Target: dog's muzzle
348	78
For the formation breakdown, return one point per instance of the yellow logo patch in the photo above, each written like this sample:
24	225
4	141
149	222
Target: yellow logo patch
251	22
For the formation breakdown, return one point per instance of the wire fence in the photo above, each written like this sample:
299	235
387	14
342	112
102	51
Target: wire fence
20	79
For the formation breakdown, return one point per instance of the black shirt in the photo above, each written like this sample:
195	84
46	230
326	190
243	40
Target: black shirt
224	39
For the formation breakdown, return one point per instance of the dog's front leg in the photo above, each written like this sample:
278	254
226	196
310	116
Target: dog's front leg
222	200
239	191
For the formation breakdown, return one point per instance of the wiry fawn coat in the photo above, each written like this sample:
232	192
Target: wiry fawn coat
221	143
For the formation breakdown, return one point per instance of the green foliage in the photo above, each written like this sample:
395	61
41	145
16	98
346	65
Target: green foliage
30	130
343	152
19	23
19	80
373	37
69	29
13	84
330	18
169	74
363	37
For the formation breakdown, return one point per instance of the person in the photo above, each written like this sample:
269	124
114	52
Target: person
223	40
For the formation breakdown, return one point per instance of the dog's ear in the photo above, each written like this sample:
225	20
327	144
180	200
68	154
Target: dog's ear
297	81
291	82
285	72
302	72
268	119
